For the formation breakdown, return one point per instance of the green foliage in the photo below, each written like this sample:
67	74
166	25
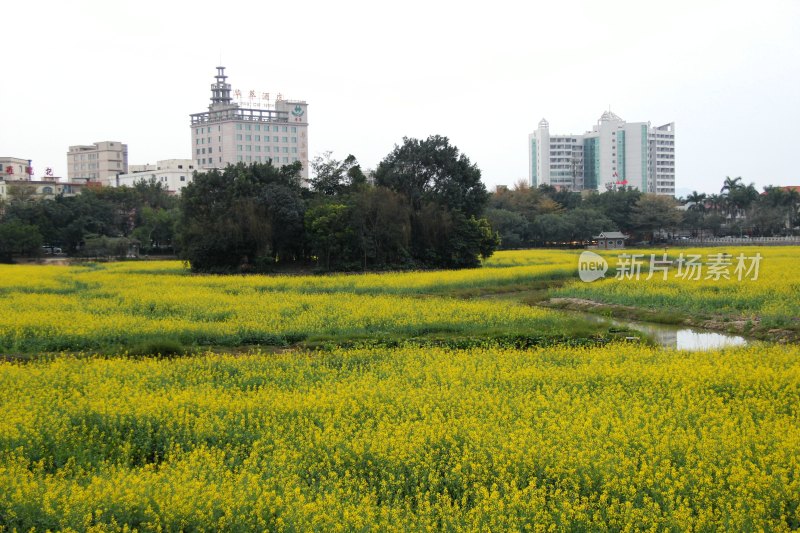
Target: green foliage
653	212
19	238
433	171
108	212
157	346
445	196
329	233
243	218
99	246
332	177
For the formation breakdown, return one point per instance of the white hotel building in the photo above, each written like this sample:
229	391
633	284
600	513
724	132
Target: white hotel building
614	153
229	134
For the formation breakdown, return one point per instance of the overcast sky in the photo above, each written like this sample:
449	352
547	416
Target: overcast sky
483	74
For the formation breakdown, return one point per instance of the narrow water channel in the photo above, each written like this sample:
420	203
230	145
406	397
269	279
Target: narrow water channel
677	337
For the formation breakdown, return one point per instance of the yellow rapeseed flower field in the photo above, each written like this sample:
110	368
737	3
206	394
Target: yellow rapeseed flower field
611	438
97	306
771	296
396	437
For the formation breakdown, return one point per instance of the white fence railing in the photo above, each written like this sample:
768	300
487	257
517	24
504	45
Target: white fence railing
715	241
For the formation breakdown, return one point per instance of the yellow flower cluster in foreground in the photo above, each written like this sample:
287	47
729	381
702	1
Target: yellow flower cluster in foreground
615	438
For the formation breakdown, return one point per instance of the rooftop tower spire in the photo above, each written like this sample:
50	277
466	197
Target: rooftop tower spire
221	91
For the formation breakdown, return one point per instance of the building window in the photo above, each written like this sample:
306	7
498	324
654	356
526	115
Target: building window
285	139
275	139
285	128
238	136
294	139
294	129
248	137
274	128
249	148
183	178
294	149
285	149
238	158
238	147
239	127
247	127
258	138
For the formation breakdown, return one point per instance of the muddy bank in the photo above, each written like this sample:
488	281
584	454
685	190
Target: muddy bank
748	327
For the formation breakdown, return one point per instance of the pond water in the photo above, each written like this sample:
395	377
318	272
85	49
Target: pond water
678	337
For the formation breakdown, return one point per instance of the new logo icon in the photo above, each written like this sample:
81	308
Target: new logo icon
591	267
297	111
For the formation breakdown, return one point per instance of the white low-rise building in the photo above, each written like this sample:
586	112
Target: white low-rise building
172	174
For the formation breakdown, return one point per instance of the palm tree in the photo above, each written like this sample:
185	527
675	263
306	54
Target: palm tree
698	201
731	184
741	198
716	201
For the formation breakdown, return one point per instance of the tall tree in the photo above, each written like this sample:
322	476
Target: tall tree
433	171
244	218
332	177
445	196
654	212
697	200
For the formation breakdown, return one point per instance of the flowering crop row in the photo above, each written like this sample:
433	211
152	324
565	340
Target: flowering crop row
610	438
74	308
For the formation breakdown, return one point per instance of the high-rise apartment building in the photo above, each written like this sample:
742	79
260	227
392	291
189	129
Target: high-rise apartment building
614	153
228	133
96	162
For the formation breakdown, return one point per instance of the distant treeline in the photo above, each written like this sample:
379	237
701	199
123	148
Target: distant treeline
544	216
424	207
423	210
